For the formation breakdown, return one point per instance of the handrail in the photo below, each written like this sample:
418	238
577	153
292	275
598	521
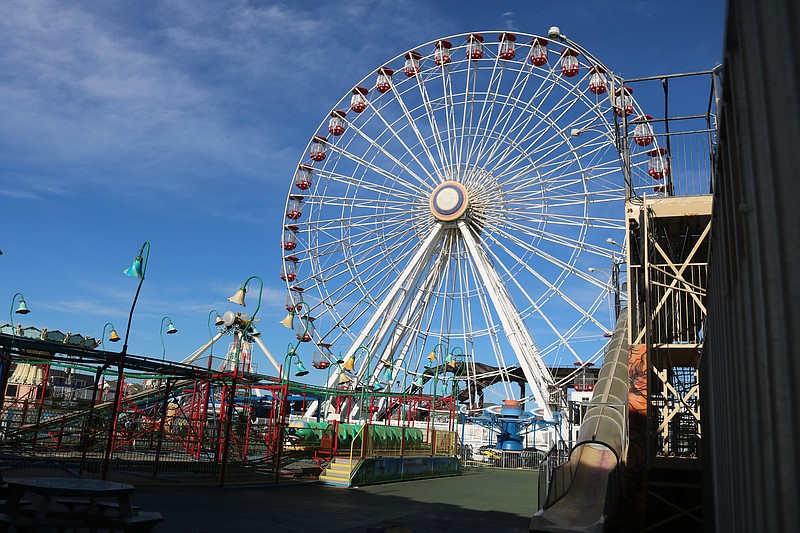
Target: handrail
353	443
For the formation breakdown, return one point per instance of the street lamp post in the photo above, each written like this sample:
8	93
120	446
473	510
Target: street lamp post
170	331
217	322
434	357
113	337
615	288
138	269
21	310
292	354
238	298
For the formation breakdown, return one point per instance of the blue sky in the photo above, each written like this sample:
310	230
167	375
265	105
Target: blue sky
180	123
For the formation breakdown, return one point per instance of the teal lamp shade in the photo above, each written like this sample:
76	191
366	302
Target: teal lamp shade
387	374
254	332
419	382
135	270
22	309
171	330
301	369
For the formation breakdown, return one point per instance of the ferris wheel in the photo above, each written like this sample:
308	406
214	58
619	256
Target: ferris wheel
452	204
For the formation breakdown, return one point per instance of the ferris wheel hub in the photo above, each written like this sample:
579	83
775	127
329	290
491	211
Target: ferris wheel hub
449	201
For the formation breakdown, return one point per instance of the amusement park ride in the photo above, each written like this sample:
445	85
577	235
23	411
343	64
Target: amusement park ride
441	237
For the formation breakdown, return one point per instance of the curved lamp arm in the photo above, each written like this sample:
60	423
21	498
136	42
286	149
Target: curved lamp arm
215	314
23	310
103	336
141	259
170	330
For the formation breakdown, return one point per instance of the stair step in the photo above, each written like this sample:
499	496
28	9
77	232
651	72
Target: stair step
345	474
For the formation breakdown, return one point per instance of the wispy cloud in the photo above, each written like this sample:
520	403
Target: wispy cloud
176	99
509	20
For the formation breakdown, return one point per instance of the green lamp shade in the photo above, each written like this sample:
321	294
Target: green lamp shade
171	329
23	307
419	382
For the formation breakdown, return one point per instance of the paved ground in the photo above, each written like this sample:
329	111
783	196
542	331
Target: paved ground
480	500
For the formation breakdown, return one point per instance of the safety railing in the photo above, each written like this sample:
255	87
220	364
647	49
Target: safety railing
506	459
358	443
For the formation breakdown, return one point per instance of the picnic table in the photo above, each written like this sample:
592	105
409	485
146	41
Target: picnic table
82	497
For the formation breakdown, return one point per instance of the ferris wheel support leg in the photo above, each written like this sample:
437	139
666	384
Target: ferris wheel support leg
411	319
536	373
413	268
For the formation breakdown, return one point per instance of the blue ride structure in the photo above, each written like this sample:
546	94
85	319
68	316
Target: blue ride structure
510	422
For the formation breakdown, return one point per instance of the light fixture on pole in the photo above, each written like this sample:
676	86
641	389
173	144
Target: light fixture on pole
454	358
217	322
113	337
137	270
288	320
614	286
300	369
171	330
238	298
21	310
350	363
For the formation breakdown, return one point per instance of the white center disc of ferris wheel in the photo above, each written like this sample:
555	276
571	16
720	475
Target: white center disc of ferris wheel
449	201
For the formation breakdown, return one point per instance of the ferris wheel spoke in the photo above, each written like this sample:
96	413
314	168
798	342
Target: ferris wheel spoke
537	308
465	287
450	109
421	140
410	320
526	112
428	106
487	108
559	239
432	169
468	109
504	112
377	188
546	122
392	177
400	250
411	271
551	286
538	141
525	126
521	217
